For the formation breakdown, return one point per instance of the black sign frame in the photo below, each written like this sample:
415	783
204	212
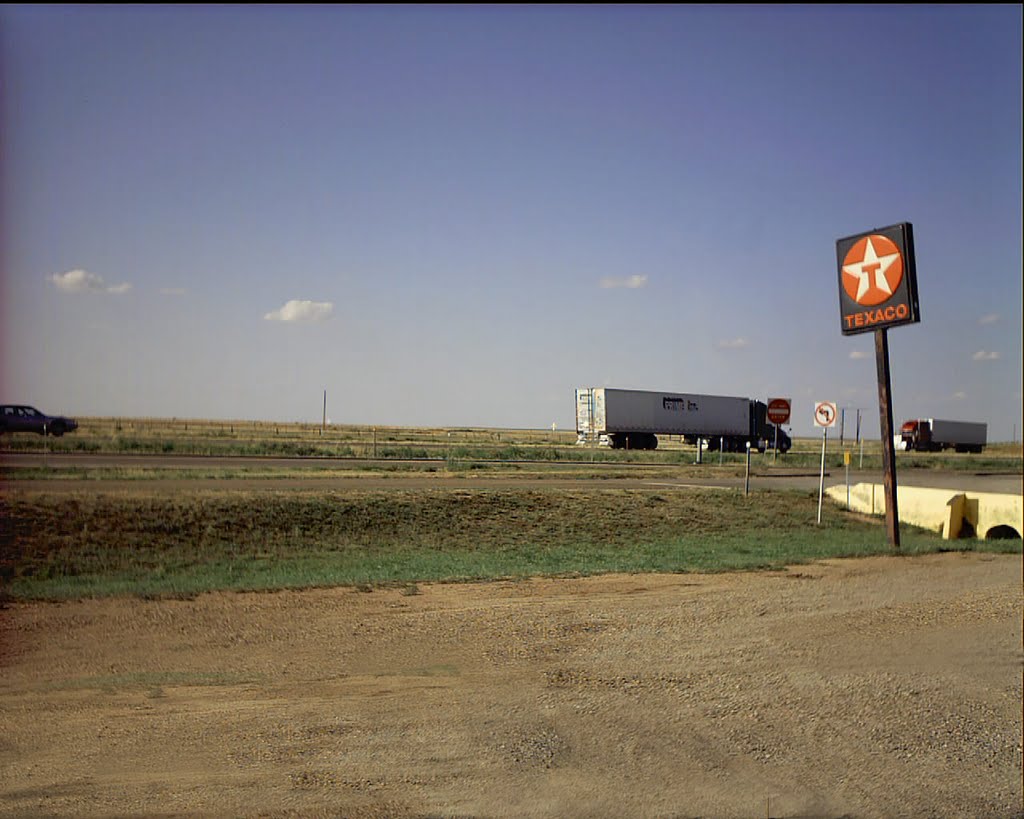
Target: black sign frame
901	307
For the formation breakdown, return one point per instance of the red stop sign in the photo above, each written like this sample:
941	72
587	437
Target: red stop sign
778	410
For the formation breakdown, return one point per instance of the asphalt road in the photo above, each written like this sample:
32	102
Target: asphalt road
306	475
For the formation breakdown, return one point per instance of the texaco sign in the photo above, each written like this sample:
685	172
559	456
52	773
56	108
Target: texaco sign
877	279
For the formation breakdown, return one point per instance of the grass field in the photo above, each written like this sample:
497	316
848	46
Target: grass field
56	547
452	445
97	542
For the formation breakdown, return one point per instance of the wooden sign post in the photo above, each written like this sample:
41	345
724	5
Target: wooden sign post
878	290
892	513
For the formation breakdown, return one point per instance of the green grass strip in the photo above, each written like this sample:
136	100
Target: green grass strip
60	546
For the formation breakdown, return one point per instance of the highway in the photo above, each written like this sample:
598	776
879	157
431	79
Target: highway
308	474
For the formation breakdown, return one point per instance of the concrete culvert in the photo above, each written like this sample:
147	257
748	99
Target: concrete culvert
1002	532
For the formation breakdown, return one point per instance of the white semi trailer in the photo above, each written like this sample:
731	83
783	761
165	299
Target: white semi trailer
633	419
936	434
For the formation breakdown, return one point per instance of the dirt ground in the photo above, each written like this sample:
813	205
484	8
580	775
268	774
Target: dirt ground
881	687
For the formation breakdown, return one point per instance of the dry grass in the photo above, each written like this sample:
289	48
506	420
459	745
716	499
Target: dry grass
452	445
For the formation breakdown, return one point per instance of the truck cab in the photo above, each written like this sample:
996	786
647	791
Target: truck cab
917	434
937	434
768	441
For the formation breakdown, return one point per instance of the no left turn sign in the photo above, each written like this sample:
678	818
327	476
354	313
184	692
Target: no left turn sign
825	413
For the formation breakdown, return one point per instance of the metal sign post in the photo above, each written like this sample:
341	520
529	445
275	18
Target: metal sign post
825	417
846	463
821	479
778	413
746	484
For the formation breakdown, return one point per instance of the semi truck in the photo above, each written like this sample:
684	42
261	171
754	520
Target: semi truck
936	434
633	419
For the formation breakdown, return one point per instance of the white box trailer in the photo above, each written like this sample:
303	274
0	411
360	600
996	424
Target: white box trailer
936	434
634	418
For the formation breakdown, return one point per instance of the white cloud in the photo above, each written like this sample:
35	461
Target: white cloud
857	355
306	311
77	281
733	344
629	282
82	281
984	355
172	291
960	396
991	318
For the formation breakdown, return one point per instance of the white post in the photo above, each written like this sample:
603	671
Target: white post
746	485
821	482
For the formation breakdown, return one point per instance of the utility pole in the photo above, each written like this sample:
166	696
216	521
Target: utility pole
860	441
323	423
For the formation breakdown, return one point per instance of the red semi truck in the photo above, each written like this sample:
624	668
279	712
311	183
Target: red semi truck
935	435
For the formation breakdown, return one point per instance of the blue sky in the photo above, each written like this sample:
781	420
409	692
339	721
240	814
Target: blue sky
456	215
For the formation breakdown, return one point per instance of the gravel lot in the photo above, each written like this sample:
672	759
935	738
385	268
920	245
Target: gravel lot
881	687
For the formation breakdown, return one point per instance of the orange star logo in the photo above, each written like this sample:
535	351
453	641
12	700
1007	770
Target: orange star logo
872	270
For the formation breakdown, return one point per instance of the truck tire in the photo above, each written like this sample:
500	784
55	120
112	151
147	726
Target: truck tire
620	440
